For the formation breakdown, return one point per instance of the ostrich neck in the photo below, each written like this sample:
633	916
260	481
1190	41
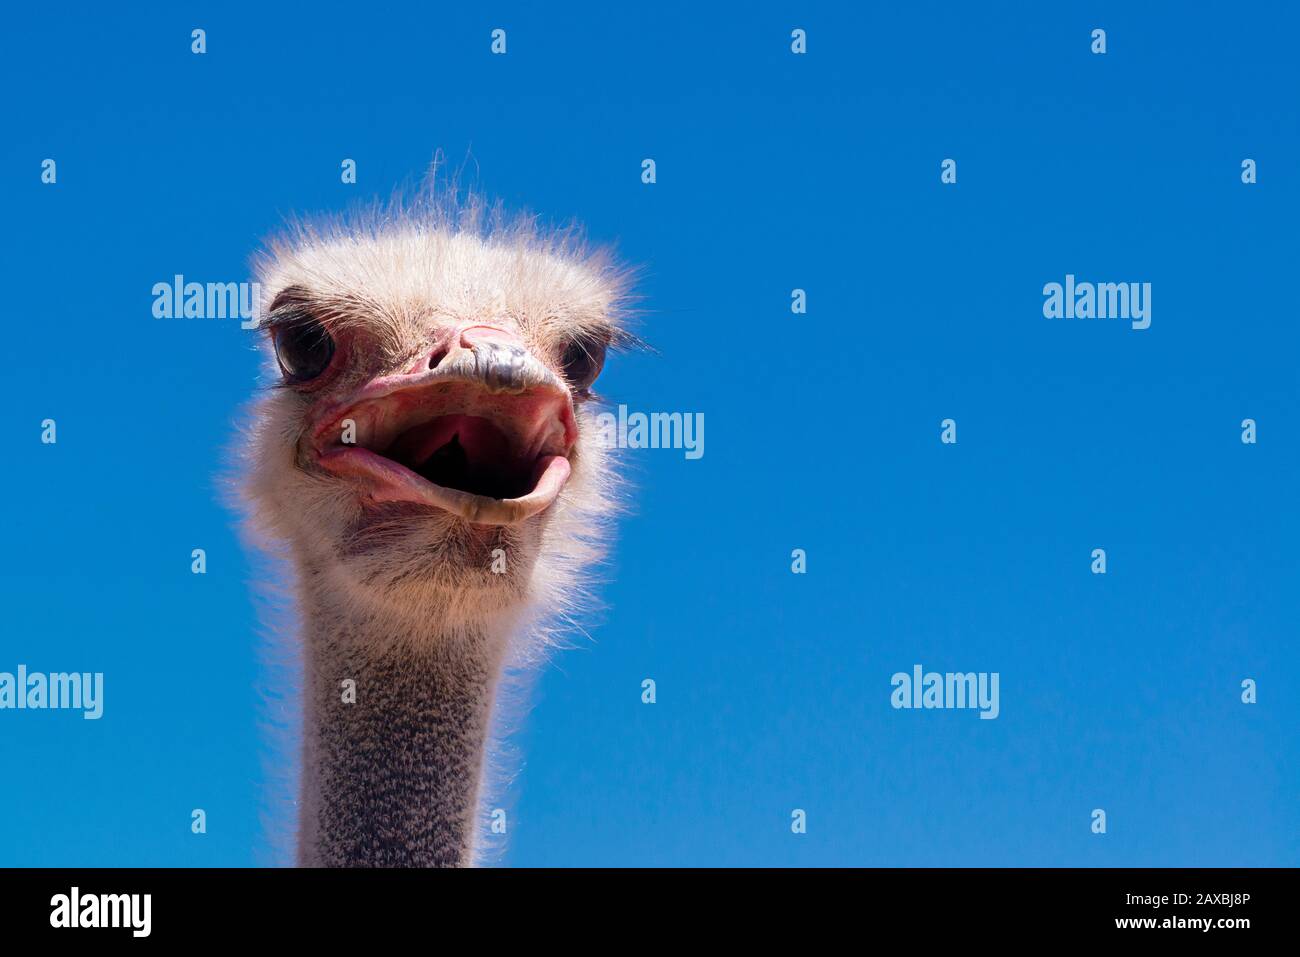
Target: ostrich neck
392	777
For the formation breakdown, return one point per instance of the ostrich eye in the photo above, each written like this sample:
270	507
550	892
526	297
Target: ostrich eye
302	347
582	361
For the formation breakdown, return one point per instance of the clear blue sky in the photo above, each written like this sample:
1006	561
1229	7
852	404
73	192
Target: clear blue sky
775	171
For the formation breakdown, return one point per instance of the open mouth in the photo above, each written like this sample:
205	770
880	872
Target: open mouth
490	456
466	453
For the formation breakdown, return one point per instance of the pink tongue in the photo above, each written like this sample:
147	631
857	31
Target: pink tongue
415	445
482	441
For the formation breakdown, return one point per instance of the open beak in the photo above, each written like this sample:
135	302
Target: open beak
485	436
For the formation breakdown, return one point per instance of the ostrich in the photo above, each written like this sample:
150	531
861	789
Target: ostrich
427	464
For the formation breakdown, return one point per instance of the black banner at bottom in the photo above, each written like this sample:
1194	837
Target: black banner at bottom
242	906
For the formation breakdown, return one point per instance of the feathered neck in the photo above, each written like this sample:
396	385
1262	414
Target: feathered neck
394	733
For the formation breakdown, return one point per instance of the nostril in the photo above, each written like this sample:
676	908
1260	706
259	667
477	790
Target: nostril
438	355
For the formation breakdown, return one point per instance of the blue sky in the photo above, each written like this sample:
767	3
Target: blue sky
775	172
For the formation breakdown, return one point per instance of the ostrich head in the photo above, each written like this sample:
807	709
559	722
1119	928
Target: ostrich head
428	460
426	450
